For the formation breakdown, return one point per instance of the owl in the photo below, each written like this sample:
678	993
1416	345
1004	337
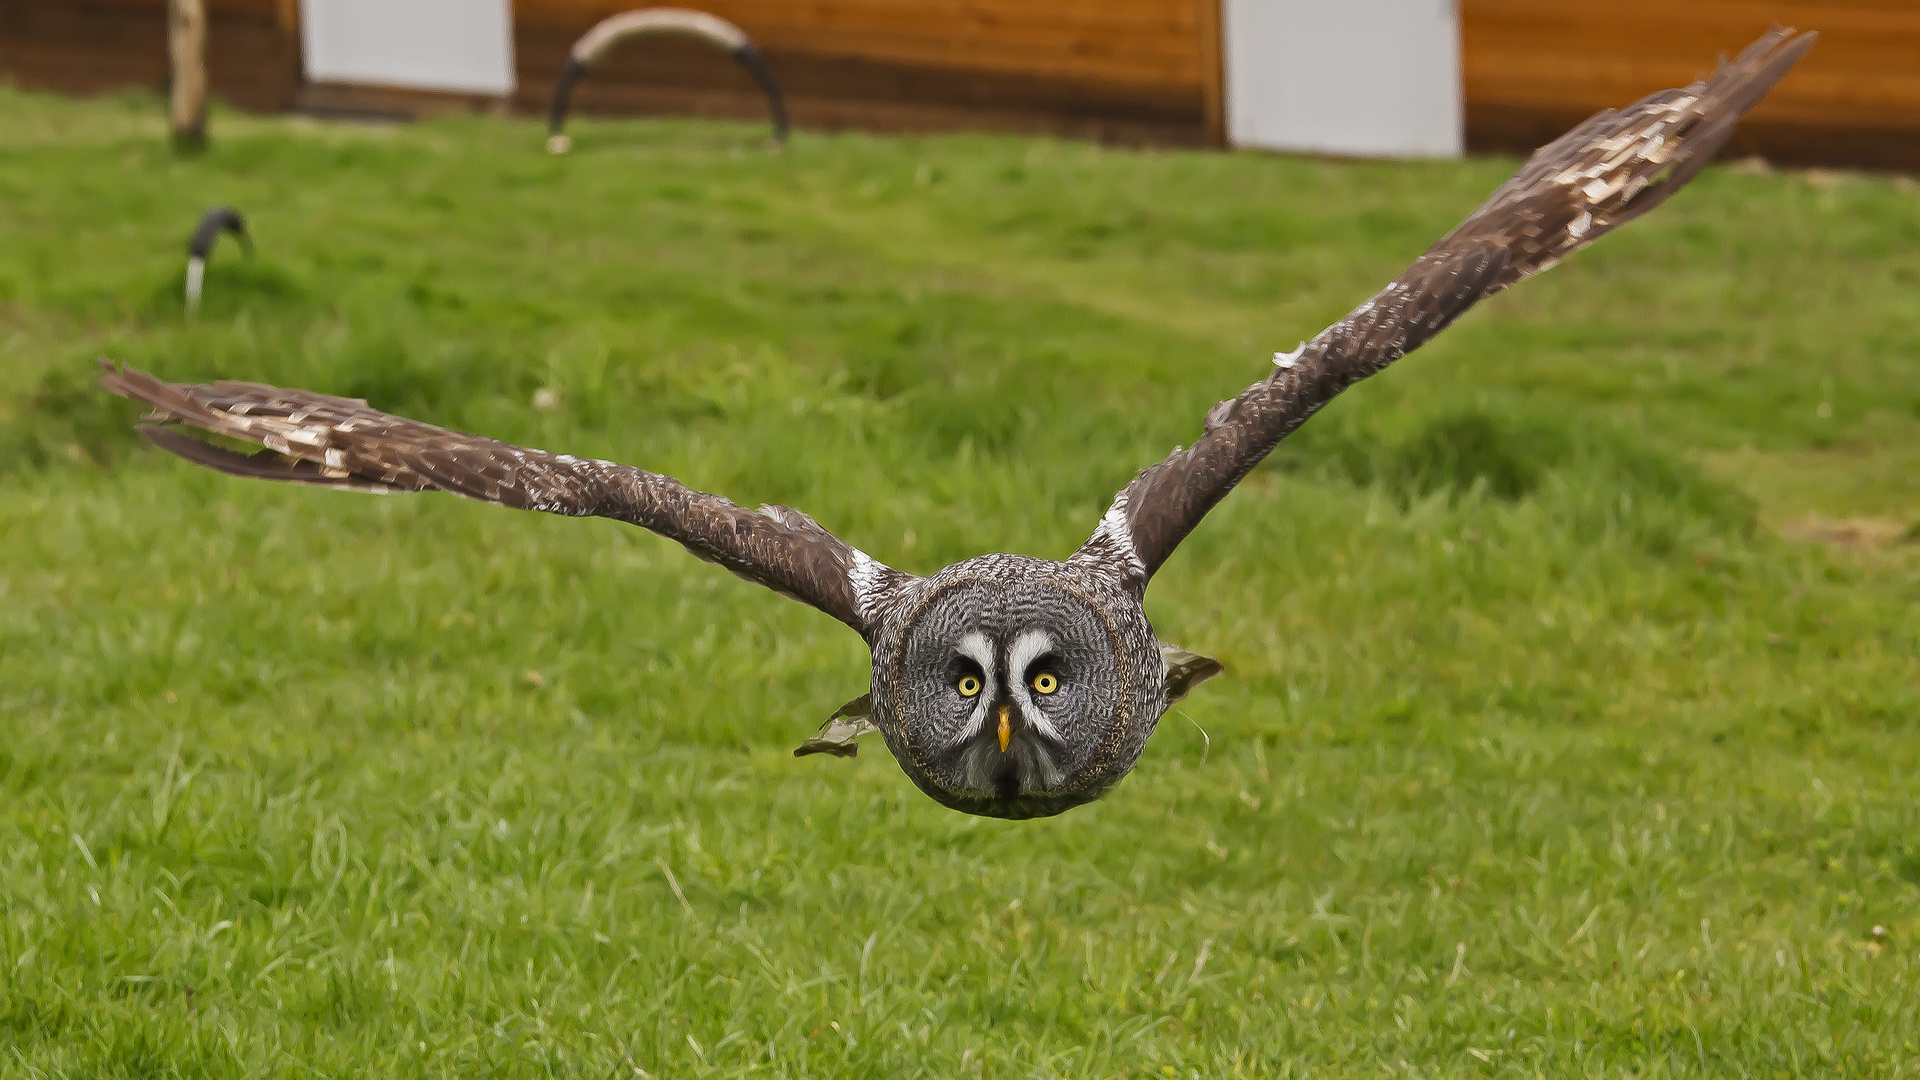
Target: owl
1006	685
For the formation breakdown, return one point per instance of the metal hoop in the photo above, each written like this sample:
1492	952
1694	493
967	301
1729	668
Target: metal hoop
684	22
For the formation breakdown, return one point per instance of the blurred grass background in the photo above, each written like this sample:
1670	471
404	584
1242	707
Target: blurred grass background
1574	672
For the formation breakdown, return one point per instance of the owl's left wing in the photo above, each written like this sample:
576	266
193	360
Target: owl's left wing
1599	176
336	442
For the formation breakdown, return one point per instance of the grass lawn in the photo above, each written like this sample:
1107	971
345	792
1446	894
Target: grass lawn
1571	726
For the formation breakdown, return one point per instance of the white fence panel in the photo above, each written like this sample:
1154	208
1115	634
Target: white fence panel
1368	78
464	46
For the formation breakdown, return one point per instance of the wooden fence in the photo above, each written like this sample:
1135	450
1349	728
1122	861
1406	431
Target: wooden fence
1128	70
93	46
1113	69
1534	67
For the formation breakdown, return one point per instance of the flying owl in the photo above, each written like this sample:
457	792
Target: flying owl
1007	685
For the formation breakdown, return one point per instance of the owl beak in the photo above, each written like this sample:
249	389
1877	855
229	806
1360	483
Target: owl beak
1006	726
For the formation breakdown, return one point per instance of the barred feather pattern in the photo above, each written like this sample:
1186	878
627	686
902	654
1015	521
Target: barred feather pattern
1613	168
327	441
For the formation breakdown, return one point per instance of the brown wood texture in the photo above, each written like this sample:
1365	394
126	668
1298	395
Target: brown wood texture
353	101
1532	68
187	56
1213	72
1121	70
1125	70
96	46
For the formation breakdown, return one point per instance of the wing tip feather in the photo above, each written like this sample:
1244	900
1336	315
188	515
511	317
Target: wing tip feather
265	465
128	382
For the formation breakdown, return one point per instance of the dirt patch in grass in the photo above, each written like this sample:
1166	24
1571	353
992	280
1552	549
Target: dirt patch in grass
1856	532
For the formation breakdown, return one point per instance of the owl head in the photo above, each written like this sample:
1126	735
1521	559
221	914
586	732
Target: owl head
1014	687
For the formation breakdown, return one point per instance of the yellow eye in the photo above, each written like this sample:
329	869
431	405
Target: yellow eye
968	686
1045	682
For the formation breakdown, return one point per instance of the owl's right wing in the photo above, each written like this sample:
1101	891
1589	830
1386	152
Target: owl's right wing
1611	169
339	442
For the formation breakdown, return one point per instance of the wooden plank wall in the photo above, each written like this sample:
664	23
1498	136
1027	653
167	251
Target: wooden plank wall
1127	70
95	46
1533	68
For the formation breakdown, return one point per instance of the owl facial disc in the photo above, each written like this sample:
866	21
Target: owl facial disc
1017	687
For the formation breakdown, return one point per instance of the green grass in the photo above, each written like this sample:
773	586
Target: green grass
1541	753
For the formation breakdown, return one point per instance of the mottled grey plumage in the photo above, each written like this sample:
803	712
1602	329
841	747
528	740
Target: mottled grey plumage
1003	618
1613	168
1007	685
341	442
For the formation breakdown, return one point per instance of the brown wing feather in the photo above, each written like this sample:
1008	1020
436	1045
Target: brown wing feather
341	442
264	465
1613	168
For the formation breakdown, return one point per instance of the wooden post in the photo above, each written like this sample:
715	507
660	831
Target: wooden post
187	48
1213	84
286	19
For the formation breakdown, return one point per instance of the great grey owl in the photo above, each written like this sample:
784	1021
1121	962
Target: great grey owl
1006	685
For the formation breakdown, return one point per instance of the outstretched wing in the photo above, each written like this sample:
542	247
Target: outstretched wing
342	443
1599	176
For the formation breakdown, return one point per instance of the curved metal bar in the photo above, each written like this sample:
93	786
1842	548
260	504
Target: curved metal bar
563	99
756	65
215	221
685	22
212	223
